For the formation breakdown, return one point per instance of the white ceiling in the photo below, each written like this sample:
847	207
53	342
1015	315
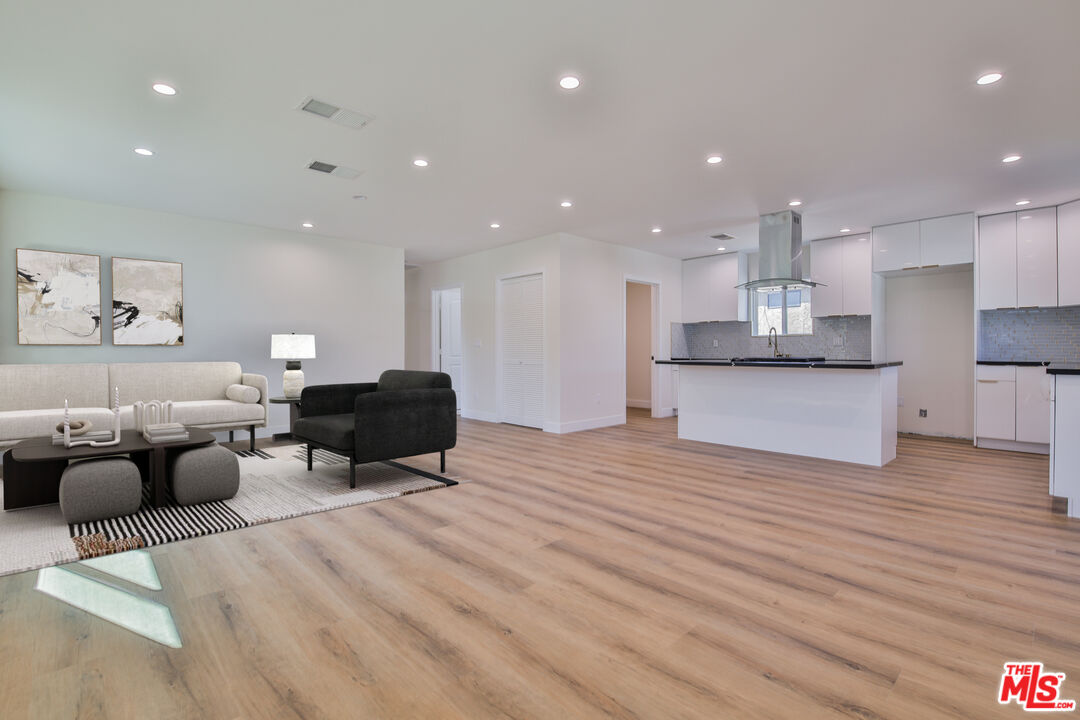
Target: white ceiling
864	109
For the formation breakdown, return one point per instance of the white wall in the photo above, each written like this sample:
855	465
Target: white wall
929	322
639	333
241	284
584	287
477	275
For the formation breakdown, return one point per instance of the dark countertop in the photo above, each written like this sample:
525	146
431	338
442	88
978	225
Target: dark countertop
827	364
1063	369
1018	363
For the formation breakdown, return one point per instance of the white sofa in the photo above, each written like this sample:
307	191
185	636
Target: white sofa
32	396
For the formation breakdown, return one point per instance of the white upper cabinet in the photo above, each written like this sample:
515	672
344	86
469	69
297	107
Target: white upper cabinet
1036	258
997	261
896	247
1068	249
858	259
708	286
947	240
828	269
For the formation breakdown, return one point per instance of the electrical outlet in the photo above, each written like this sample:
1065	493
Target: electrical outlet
922	412
838	341
716	343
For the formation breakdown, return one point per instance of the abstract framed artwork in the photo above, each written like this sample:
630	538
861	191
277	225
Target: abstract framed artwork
59	297
148	302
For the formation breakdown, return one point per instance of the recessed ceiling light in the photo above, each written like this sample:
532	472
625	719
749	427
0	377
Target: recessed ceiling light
359	197
988	78
163	89
569	82
795	203
714	159
1010	158
420	162
656	229
566	203
144	152
845	229
307	225
1023	202
495	226
1025	217
719	249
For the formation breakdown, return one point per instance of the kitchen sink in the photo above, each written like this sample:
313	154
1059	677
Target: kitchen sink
789	360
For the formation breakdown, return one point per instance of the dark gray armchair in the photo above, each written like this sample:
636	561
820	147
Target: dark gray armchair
408	412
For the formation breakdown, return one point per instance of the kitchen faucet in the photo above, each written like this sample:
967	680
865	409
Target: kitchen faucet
774	342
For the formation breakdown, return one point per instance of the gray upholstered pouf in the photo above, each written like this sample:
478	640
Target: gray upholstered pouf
100	488
204	474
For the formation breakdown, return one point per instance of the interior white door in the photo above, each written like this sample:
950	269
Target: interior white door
450	354
521	302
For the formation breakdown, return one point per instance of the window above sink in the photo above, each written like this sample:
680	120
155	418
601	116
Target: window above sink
786	310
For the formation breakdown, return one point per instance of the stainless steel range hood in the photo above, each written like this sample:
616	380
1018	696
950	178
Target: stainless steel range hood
779	254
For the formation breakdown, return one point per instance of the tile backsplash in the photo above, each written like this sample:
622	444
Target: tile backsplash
1039	334
835	338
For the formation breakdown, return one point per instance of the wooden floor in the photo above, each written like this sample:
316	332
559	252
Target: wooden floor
616	573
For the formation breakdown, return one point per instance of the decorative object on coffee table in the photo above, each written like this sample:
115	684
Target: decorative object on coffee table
148	302
294	414
75	427
204	474
114	437
59	297
152	412
292	348
99	489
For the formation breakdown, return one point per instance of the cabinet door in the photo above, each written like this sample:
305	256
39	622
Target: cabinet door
1032	405
947	240
997	261
995	416
827	267
1036	258
723	274
857	275
896	247
695	287
1068	218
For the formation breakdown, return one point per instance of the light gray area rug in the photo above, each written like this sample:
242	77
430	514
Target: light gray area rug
274	485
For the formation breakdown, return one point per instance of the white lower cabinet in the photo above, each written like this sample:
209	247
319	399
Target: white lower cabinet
995	400
1032	405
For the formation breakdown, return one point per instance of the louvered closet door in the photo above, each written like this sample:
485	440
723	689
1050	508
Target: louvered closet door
522	311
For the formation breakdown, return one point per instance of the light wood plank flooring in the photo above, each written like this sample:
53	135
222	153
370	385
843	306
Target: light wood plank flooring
616	573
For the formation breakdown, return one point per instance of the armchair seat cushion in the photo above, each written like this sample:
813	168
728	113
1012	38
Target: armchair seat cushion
335	431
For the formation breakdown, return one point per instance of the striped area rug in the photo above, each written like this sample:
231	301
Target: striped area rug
274	485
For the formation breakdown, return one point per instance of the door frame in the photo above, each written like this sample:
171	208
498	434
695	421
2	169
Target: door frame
436	320
499	338
654	375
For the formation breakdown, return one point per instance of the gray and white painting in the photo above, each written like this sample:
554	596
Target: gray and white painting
148	302
59	297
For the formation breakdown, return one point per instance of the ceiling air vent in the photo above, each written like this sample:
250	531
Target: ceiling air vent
722	236
338	171
342	116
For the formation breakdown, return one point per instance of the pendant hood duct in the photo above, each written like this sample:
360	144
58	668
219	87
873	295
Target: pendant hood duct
779	254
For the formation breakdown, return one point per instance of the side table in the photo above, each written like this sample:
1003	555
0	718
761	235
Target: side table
294	413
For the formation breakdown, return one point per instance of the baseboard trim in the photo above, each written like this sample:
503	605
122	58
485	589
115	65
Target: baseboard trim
1012	445
480	415
667	412
643	404
579	425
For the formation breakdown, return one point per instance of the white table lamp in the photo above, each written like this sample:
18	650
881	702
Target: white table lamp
292	348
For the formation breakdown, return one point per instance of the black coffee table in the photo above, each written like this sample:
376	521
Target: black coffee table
32	469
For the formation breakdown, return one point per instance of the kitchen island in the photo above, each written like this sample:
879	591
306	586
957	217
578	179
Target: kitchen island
1064	431
836	410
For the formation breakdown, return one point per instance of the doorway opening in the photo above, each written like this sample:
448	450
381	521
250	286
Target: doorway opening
446	337
642	390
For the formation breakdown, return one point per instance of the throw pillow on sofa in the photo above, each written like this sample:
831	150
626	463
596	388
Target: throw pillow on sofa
243	394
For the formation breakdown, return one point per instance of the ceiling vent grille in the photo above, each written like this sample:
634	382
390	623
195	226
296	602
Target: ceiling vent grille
722	236
338	171
342	116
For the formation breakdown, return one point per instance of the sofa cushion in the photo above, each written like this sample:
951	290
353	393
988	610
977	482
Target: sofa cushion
204	412
176	381
243	393
336	431
34	387
24	424
412	380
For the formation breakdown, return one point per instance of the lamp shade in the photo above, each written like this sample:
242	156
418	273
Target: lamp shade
292	347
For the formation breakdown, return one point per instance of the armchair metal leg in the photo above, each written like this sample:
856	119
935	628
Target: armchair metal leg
230	436
442	461
352	473
252	444
309	458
